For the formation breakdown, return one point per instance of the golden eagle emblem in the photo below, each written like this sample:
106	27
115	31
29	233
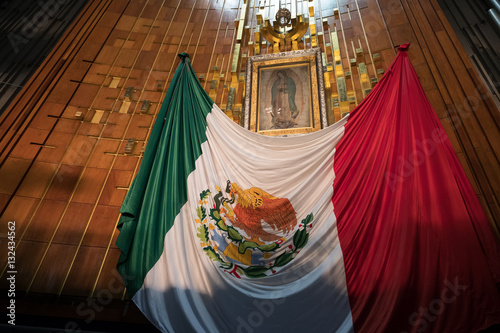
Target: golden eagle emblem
249	232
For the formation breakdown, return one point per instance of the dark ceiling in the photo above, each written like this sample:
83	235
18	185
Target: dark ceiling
29	29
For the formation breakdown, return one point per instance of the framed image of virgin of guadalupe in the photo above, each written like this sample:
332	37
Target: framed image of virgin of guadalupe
285	93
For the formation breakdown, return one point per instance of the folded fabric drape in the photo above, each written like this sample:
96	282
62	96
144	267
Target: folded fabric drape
369	225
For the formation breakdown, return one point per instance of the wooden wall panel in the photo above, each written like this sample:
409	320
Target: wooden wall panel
44	222
50	273
100	227
77	283
109	278
73	223
12	172
21	210
32	253
63	160
37	180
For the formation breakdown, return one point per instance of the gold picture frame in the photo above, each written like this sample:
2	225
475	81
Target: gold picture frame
285	93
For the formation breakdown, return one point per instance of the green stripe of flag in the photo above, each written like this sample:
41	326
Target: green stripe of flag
159	190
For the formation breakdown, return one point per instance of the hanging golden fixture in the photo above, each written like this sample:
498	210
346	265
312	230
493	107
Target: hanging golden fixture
277	32
283	17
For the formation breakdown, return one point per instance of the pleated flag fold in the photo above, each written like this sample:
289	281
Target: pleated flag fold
369	225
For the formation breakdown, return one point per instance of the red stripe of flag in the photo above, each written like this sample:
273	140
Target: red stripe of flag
419	253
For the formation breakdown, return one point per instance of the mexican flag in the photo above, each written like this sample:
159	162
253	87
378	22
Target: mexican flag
369	225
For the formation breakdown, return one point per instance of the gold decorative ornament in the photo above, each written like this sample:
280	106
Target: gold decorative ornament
283	17
285	29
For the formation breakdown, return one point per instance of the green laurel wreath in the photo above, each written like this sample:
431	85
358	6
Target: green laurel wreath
300	239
